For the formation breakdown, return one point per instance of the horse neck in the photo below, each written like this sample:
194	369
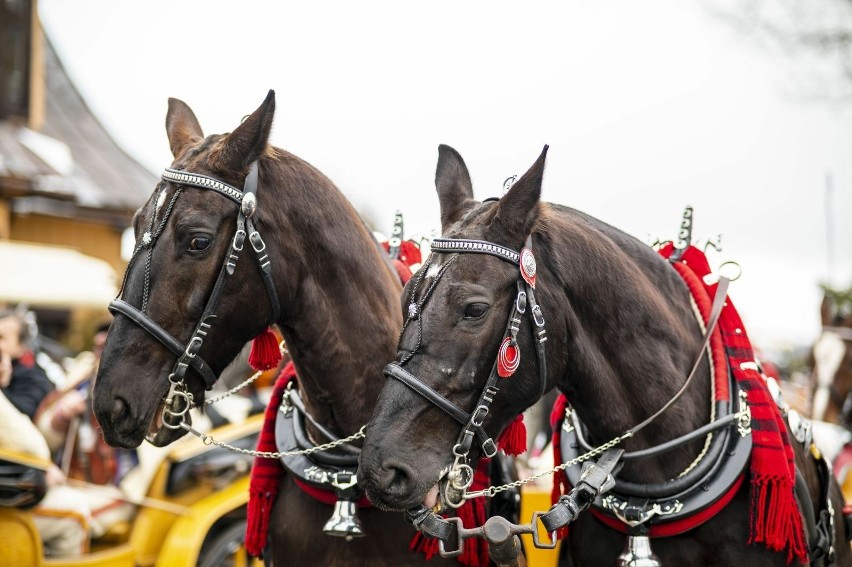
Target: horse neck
632	338
339	295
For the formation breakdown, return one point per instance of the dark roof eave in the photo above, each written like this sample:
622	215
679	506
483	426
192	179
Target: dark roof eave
118	217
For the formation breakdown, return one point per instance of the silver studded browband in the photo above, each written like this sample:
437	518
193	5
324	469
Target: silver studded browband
203	182
453	245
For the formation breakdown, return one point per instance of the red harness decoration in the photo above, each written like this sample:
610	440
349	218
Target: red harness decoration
267	474
774	518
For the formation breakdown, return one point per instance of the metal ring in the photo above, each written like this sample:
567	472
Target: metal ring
170	401
464	471
733	263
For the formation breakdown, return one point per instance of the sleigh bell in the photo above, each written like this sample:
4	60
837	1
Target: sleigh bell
638	553
344	522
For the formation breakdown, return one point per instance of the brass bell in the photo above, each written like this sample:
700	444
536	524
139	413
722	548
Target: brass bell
638	553
344	521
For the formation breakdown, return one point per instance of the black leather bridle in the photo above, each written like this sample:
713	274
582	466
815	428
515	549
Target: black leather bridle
504	365
179	400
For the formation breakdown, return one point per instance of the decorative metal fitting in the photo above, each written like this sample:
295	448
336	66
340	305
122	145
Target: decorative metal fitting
248	205
744	420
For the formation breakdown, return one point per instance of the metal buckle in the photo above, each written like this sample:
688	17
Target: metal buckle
521	302
476	414
258	246
239	240
537	538
538	317
489	449
453	552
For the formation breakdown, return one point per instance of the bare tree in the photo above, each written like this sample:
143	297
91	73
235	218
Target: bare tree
815	36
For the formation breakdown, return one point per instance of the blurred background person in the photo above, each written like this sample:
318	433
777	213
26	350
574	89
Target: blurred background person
28	384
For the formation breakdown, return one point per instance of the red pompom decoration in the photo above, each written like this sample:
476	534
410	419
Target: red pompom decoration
513	440
265	353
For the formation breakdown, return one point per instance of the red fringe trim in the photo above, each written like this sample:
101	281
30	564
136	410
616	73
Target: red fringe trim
265	353
259	511
421	543
773	512
513	440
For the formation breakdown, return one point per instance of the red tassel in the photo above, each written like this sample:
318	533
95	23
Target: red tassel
265	353
426	545
513	440
257	529
472	515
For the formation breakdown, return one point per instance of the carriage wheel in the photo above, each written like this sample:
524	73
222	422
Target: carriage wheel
226	548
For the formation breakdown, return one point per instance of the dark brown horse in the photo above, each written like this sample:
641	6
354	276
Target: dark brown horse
831	383
321	269
621	338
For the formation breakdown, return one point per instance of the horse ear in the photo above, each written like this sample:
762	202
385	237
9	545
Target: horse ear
248	141
452	181
182	127
517	210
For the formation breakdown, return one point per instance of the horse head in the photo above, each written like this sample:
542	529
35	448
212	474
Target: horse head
456	311
187	306
832	357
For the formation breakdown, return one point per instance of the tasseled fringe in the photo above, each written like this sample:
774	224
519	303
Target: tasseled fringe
774	519
265	353
513	440
424	544
257	529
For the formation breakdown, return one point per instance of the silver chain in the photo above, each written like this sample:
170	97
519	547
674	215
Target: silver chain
492	490
208	440
234	390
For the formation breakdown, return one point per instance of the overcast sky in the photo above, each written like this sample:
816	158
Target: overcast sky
647	107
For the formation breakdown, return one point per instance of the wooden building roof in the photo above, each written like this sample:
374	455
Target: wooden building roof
71	167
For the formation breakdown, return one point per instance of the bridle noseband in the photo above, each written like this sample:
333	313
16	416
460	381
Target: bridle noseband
505	364
179	399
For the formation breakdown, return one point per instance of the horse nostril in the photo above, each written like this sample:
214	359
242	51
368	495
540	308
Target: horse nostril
396	478
119	410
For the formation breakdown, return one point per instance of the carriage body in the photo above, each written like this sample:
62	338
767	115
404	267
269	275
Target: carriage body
202	492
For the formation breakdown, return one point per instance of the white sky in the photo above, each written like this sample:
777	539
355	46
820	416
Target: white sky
647	107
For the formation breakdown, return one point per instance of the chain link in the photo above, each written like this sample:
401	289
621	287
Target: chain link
208	440
234	390
492	490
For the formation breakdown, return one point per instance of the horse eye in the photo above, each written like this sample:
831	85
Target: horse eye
199	243
475	310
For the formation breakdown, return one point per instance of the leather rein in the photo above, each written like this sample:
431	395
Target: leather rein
179	400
